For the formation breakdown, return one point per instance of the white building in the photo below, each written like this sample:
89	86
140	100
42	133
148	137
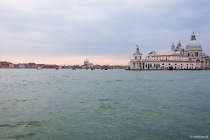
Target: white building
192	57
87	64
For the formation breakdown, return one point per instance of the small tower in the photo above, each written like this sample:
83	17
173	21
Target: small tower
173	48
137	55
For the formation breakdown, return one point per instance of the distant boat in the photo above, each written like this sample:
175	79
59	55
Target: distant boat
39	68
106	67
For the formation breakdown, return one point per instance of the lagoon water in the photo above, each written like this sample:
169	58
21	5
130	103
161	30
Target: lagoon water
99	104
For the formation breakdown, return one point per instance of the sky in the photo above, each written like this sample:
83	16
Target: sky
66	32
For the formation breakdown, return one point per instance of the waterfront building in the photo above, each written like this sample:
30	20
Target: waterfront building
27	65
32	65
5	64
192	57
50	66
87	64
11	65
21	66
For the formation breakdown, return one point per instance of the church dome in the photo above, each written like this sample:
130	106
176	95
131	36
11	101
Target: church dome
179	47
193	44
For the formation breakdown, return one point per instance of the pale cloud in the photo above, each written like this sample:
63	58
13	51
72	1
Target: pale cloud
111	28
69	60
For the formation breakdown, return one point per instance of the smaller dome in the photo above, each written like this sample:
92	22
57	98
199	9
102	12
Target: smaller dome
179	47
193	44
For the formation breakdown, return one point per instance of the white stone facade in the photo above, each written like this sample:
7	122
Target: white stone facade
190	58
87	64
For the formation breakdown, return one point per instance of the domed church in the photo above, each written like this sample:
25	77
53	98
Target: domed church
195	52
192	57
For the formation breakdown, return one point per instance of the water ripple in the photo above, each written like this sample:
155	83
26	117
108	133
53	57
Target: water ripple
99	104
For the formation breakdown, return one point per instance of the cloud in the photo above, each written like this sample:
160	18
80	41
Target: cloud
105	27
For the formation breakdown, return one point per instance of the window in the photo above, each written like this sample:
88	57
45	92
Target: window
196	53
135	57
197	60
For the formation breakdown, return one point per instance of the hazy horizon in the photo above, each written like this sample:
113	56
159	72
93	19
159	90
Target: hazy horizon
105	32
68	60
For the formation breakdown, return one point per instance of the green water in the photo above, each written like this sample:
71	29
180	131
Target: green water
99	104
